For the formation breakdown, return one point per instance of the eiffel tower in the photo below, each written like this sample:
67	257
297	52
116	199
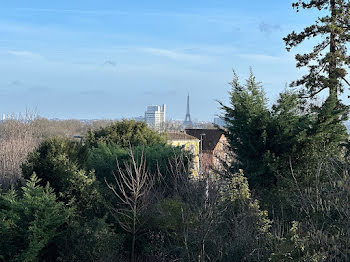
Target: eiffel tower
188	122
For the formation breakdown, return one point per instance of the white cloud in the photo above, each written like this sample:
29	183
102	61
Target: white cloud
73	11
176	55
265	58
25	54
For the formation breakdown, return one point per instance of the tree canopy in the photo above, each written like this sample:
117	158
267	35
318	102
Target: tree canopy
125	133
328	61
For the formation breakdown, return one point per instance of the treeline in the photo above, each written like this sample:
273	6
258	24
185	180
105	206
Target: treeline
21	134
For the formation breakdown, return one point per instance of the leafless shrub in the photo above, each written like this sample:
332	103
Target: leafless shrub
21	133
201	196
133	186
67	128
17	139
179	174
323	205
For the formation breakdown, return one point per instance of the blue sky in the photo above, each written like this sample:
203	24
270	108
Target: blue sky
110	58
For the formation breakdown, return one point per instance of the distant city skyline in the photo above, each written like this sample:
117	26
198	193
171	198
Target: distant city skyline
109	59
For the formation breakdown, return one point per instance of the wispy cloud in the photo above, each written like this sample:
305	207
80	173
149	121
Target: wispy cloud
15	83
13	27
224	19
110	63
72	11
175	55
160	93
219	18
269	28
25	54
264	58
94	92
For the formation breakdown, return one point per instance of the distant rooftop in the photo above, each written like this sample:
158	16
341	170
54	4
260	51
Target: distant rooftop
180	136
210	139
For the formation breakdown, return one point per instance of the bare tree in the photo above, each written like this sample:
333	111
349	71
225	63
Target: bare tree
202	197
17	139
133	185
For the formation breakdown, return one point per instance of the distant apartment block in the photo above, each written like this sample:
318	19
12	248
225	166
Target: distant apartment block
155	116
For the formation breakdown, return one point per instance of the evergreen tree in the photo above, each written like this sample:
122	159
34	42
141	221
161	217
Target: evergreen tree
125	133
327	64
328	60
247	119
30	222
55	162
328	130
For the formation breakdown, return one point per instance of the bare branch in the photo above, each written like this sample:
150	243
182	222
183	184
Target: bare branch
134	183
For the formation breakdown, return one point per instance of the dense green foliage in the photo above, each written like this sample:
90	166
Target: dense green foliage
31	220
160	159
247	121
124	134
266	142
55	161
78	174
294	158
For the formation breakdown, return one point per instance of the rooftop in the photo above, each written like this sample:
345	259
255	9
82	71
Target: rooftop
210	139
180	136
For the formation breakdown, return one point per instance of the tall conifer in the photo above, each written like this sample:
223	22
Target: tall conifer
328	60
327	64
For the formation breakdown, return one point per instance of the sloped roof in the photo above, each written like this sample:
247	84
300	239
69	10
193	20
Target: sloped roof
210	139
180	136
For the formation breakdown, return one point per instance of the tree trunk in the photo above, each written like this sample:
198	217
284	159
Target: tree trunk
133	235
133	248
333	84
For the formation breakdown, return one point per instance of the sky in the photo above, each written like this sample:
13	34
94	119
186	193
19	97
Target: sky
110	59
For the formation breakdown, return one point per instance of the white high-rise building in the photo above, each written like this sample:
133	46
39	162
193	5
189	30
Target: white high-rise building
155	116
